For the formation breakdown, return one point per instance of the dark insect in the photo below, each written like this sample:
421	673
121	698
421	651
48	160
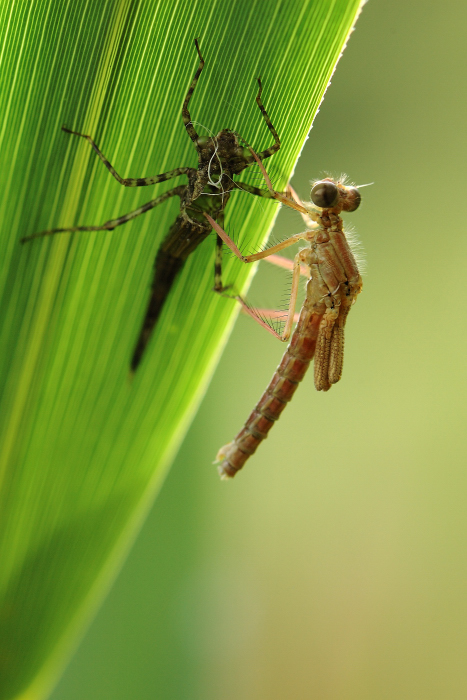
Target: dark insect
208	190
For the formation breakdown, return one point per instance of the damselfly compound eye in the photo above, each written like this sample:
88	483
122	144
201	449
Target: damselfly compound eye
353	199
324	194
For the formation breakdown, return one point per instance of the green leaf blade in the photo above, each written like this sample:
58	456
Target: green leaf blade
83	448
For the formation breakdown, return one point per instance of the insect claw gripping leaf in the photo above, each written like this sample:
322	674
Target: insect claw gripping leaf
219	159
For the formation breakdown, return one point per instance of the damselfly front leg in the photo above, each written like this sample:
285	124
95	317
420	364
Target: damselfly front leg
333	285
220	158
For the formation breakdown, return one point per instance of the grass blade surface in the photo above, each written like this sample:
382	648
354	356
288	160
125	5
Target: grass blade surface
82	448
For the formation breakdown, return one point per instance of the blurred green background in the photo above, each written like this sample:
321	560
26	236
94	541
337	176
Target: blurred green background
333	567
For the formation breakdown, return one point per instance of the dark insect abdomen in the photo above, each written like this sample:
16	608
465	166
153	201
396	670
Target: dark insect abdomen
182	239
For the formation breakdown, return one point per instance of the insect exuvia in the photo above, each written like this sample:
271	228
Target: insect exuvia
333	284
208	190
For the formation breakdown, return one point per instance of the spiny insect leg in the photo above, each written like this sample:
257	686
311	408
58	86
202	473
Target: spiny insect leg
218	286
254	190
269	151
185	113
112	223
129	181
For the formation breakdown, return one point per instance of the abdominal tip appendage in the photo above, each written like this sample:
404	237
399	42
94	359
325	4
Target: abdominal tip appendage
224	475
223	466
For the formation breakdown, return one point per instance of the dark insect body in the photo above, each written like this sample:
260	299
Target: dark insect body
208	191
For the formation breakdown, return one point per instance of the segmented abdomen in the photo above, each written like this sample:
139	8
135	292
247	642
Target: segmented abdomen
183	238
282	387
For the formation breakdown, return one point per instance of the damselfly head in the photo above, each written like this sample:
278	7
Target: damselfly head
327	194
